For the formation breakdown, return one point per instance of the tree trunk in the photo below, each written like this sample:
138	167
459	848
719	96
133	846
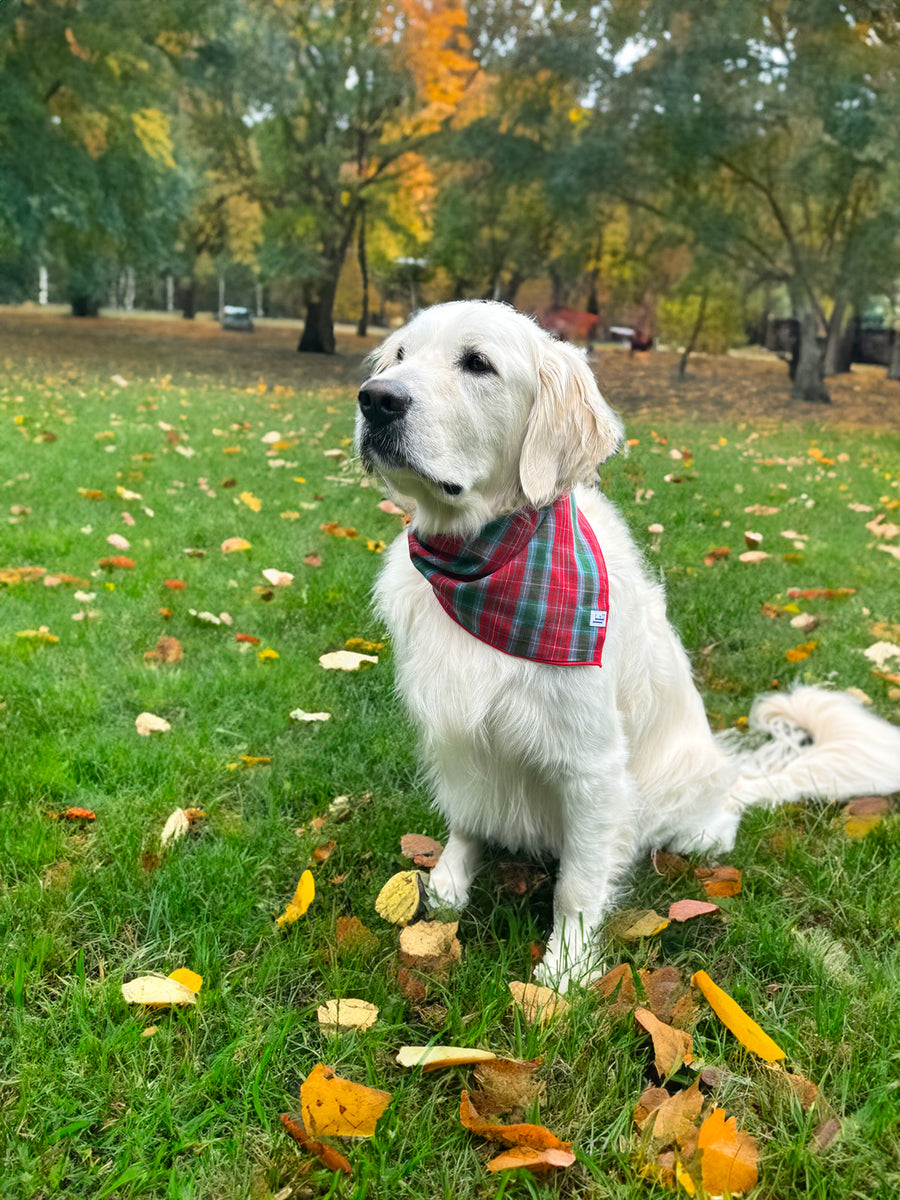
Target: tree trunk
808	382
85	306
894	365
362	327
839	345
221	297
170	293
318	328
695	333
510	289
189	303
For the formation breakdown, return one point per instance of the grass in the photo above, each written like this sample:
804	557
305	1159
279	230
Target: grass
92	1108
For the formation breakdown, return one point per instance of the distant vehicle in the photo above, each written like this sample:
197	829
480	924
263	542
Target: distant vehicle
239	319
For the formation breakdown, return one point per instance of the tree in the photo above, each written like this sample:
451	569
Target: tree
768	132
86	152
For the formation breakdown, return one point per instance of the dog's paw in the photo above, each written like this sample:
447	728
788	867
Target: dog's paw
446	890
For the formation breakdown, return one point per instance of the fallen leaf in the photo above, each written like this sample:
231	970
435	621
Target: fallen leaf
825	1134
719	881
168	650
163	991
344	660
363	645
352	935
436	1058
303	898
728	1157
538	1161
733	1017
323	852
631	924
174	585
686	910
880	653
297	714
538	1004
313	560
341	1016
327	1154
147	723
336	1107
820	593
234	544
78	814
534	1137
401	898
175	827
423	850
430	946
800	653
247	638
41	635
752	556
669	865
268	655
117	562
339	531
278	578
252	502
671	1047
717	552
618	984
805	1091
669	1118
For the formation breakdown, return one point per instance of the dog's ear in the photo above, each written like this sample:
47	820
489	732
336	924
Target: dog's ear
570	430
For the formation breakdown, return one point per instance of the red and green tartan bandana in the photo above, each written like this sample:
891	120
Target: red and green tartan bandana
533	584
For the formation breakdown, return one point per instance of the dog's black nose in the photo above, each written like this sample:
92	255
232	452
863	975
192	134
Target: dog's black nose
383	400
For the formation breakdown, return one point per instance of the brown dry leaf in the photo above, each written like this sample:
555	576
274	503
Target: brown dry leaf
538	1161
719	881
825	1134
728	1157
715	554
772	611
520	878
686	910
339	531
507	1085
352	935
861	816
804	1089
669	865
435	1058
619	982
341	1016
537	1137
327	1154
411	986
430	946
332	1106
168	650
423	850
538	1004
323	852
668	996
671	1047
669	1118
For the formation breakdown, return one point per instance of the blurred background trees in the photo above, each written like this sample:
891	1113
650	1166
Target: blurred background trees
713	171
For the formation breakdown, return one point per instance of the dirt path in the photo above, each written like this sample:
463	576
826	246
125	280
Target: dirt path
736	388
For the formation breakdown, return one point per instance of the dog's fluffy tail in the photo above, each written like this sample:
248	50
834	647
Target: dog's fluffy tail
822	745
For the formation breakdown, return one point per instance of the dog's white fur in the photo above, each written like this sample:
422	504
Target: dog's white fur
592	765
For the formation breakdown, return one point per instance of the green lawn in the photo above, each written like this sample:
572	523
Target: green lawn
90	1107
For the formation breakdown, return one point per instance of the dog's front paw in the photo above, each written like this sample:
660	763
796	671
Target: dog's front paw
446	889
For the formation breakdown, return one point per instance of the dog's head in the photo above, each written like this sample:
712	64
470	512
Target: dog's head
473	411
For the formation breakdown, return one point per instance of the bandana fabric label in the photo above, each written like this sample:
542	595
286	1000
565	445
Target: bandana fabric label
533	585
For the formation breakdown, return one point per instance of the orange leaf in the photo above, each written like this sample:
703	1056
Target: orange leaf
248	638
727	1157
119	561
538	1161
337	1107
174	585
671	1047
534	1136
733	1017
328	1155
79	814
686	910
719	881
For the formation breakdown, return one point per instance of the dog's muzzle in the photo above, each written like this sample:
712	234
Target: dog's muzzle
382	401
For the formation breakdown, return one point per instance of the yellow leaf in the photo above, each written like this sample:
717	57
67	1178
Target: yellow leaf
189	978
303	898
268	654
158	991
341	1016
151	127
233	544
252	502
733	1017
727	1156
401	897
434	1058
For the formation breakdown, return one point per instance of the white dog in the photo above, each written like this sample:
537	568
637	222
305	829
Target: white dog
486	429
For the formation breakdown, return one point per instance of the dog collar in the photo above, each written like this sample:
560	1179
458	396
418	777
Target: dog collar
533	584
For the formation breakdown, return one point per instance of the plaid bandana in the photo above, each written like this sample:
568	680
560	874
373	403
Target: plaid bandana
533	584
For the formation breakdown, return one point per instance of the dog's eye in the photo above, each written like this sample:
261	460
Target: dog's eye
399	354
476	362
